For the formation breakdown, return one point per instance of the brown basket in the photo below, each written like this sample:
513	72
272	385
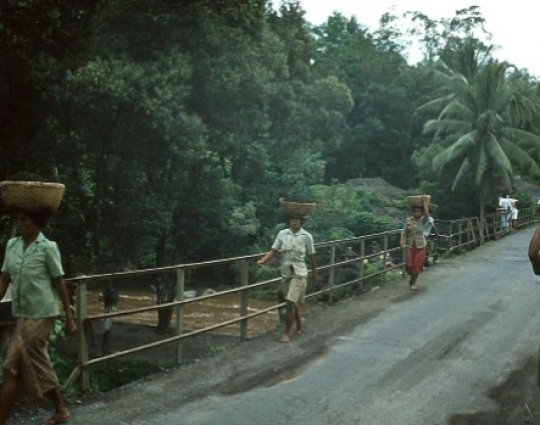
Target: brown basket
299	209
417	200
31	196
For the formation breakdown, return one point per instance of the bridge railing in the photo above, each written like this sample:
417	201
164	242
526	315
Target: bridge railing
365	258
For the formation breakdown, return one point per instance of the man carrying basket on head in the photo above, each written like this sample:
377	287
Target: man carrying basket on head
294	244
32	268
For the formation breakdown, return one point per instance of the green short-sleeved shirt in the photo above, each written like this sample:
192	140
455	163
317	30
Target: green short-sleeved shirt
31	271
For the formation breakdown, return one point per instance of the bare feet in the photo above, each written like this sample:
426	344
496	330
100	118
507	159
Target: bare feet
58	418
300	325
285	338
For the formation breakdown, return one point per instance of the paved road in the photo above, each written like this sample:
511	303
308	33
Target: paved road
422	358
419	362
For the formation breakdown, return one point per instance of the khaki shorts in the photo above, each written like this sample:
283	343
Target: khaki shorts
293	289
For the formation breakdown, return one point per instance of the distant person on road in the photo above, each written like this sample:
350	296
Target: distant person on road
515	212
294	244
505	211
413	239
428	226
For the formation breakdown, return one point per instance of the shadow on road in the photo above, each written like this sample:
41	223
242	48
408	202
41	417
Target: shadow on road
518	398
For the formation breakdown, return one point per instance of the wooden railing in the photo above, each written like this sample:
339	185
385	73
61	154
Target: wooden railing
370	257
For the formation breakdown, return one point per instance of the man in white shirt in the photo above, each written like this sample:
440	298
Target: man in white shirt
505	208
428	226
294	244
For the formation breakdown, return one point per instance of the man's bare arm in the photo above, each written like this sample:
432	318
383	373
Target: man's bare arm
534	249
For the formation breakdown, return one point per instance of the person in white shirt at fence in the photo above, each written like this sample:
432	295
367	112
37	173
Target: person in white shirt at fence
514	217
428	226
505	207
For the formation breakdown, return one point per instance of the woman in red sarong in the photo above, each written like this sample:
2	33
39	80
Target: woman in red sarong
412	237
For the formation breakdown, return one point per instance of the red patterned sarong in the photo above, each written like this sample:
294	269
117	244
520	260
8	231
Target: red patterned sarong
415	260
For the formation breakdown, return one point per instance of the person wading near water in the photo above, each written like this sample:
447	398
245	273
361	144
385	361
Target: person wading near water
412	238
294	244
33	270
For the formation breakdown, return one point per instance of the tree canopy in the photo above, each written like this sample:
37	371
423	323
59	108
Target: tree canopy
176	125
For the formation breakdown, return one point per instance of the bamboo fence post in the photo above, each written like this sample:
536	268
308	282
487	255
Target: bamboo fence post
385	250
82	304
460	231
244	302
179	323
331	273
362	253
471	228
450	238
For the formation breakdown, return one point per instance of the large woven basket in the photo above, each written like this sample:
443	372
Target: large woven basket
299	209
31	196
417	200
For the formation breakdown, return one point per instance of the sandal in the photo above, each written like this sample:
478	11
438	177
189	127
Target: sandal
57	418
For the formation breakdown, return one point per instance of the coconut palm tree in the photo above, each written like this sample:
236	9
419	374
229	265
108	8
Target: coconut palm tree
482	104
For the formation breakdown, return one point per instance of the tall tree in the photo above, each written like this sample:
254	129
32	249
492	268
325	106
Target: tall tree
480	101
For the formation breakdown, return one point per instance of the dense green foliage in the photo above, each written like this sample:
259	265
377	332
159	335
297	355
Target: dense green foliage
177	124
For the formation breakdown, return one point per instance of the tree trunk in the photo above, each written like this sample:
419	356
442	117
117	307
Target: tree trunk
166	287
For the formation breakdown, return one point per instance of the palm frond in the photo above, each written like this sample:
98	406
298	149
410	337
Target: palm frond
462	172
434	105
456	109
457	151
497	156
482	164
447	125
519	156
521	137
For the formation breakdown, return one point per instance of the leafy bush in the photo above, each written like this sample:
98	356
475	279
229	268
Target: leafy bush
345	212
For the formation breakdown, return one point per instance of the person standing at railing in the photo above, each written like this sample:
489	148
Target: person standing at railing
429	225
515	212
505	211
294	244
412	238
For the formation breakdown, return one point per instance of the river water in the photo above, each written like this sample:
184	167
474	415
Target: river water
197	315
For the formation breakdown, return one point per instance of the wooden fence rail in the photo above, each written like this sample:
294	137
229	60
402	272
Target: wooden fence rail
375	256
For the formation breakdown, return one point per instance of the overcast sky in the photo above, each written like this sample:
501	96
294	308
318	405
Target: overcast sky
514	24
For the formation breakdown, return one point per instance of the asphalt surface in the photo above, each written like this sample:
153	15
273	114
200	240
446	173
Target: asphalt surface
417	363
431	356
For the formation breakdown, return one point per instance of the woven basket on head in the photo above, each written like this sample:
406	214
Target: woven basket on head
299	209
31	196
417	200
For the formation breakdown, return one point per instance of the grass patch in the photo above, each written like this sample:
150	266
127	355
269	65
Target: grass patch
108	375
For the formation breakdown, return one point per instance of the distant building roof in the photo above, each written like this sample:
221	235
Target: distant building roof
378	185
